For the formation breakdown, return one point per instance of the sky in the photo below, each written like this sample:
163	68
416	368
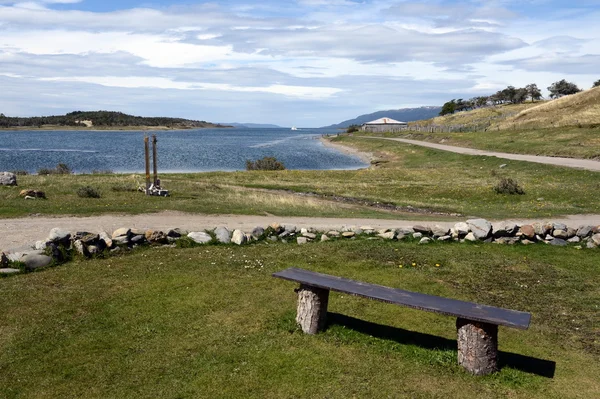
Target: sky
305	63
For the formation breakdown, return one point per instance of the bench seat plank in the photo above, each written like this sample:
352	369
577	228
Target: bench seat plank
436	304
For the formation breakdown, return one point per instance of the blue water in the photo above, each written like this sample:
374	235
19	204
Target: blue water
178	151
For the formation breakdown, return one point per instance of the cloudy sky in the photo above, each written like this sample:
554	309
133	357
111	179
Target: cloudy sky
298	62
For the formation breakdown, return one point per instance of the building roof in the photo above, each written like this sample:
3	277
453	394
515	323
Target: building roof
385	121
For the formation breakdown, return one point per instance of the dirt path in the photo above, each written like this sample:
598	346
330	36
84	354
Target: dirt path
17	233
558	161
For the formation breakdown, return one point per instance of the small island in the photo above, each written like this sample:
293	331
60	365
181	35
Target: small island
101	120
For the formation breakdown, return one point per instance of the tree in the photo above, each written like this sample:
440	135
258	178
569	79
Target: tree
533	92
448	108
562	88
596	83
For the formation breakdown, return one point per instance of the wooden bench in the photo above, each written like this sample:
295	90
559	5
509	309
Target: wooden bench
477	325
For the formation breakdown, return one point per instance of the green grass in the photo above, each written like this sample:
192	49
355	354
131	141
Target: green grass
211	322
412	176
571	142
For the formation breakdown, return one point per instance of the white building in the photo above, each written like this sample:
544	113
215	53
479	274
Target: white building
384	125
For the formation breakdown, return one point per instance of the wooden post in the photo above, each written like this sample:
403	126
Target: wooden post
477	346
312	308
147	152
154	160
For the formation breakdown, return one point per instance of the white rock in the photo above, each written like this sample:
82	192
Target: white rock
238	237
470	237
200	237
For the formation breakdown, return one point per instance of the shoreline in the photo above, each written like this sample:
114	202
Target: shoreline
366	157
107	128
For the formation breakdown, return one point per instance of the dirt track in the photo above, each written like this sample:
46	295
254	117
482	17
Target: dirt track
557	161
17	233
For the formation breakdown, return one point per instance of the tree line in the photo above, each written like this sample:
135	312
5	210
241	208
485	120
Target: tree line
99	118
512	95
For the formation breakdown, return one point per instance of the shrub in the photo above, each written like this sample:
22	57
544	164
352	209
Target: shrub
20	172
88	192
267	163
352	129
61	169
508	186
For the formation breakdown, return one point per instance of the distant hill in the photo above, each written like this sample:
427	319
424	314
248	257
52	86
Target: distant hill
102	119
403	114
254	125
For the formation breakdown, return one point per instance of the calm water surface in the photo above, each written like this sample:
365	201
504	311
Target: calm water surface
178	151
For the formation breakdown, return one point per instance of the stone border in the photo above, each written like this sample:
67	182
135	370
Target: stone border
60	244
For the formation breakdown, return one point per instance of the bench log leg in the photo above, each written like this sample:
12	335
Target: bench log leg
312	308
477	346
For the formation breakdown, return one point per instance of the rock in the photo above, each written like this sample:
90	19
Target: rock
272	238
357	231
439	231
548	237
90	239
103	236
506	240
35	261
3	260
324	238
540	229
9	270
276	227
364	228
59	236
400	237
238	237
461	228
32	194
289	228
138	239
404	231
177	233
138	232
470	237
417	235
121	240
390	235
480	228
559	226
249	237
200	237
302	240
528	231
503	166
422	229
571	232
444	238
311	236
284	234
156	237
258	232
527	242
511	229
122	232
558	242
8	179
223	235
562	234
348	234
591	244
584	231
596	239
333	233
40	245
93	249
425	240
382	231
80	248
574	240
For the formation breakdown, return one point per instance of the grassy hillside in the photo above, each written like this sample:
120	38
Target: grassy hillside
581	109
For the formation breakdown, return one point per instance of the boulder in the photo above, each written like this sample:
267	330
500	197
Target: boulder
302	240
439	231
461	229
8	179
258	232
596	239
541	229
122	232
32	194
90	238
559	233
584	231
156	237
310	236
559	226
558	242
238	237
444	238
348	234
417	235
527	231
103	236
93	249
35	261
333	233
200	237
425	240
390	235
471	237
591	244
404	231
480	228
40	245
59	236
425	230
80	248
527	242
289	228
223	235
138	232
574	240
276	227
324	238
177	233
138	239
571	232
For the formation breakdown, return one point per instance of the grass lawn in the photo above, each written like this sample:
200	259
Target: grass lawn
410	176
211	322
570	142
